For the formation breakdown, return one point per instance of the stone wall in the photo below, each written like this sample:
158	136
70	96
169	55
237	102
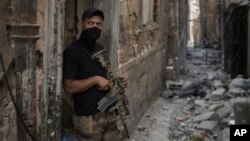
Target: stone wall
209	18
138	45
177	37
7	114
32	85
141	53
136	34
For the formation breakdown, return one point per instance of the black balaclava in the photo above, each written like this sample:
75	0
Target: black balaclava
90	36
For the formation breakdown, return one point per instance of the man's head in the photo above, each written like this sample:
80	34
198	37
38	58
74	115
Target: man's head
92	17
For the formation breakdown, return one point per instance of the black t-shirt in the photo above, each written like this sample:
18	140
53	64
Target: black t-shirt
77	64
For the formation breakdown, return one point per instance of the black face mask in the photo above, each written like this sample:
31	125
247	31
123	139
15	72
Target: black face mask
91	34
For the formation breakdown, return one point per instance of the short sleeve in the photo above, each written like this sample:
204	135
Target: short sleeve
70	66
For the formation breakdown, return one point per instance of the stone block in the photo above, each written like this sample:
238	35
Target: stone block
224	112
204	116
218	84
187	83
236	91
218	94
201	103
215	107
237	83
209	126
173	85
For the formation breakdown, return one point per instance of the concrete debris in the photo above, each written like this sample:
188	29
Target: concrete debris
173	85
177	134
240	82
209	126
198	102
236	92
205	102
204	116
224	122
207	116
218	84
224	112
219	92
215	107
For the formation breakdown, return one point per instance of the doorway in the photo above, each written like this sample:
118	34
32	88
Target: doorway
236	41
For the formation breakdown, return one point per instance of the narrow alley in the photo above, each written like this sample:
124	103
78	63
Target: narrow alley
189	109
131	70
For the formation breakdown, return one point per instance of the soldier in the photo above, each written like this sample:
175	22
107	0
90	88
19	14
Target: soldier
87	81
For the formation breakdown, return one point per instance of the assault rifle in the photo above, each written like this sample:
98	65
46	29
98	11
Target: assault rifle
115	102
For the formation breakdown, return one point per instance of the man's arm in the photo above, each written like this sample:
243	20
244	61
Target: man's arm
77	86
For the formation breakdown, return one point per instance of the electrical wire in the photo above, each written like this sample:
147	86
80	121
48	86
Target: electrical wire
5	77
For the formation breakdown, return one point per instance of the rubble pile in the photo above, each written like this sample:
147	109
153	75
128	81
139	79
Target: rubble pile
199	105
207	97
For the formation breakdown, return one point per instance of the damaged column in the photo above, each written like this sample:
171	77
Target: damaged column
24	31
25	37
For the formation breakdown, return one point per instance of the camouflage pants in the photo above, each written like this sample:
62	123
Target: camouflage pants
95	128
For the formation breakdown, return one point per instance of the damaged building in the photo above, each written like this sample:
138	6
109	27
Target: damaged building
138	34
151	42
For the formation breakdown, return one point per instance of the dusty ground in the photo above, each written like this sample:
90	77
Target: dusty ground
155	124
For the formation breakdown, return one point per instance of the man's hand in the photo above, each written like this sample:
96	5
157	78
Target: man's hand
124	81
102	82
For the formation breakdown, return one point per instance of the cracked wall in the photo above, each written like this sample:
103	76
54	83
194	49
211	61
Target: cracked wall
141	52
29	82
141	37
7	114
